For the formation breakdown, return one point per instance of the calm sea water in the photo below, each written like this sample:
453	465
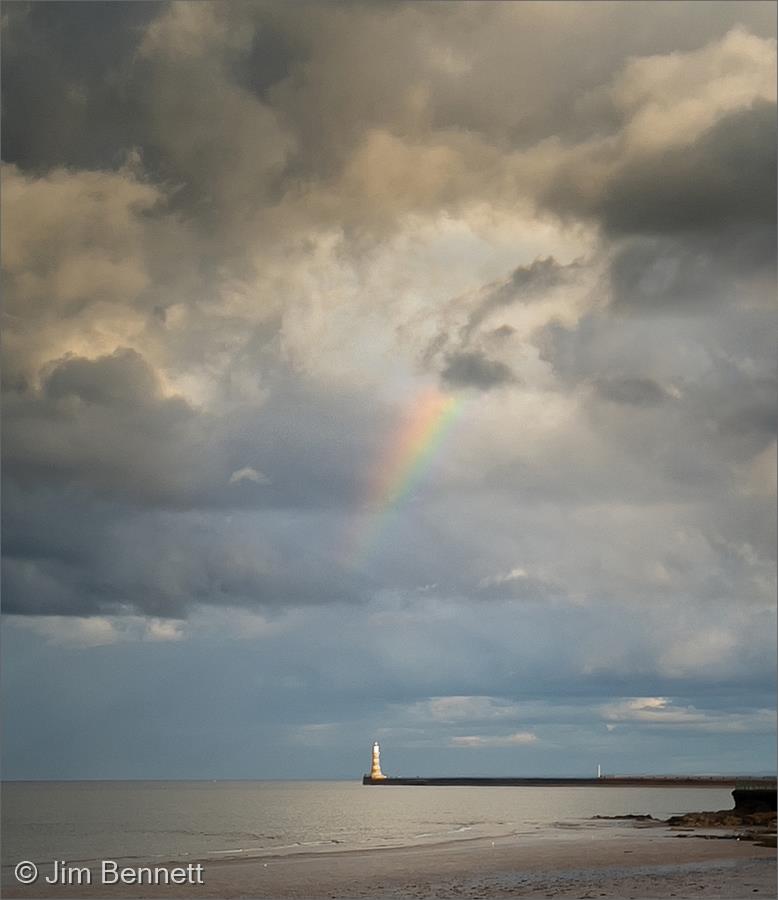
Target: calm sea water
162	821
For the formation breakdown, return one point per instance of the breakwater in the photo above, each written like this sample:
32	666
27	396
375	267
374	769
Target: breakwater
685	781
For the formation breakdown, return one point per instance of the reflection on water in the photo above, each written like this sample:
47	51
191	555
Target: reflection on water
83	821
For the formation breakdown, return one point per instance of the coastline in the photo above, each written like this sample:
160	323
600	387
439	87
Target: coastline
580	859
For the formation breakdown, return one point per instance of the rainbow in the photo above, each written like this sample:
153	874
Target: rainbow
404	463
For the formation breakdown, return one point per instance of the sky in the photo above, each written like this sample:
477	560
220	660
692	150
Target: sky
388	371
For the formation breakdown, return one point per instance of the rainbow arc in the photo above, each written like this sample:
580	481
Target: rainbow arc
401	467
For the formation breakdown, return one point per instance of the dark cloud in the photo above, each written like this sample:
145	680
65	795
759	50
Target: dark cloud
104	424
121	379
726	178
633	391
65	107
458	349
699	220
526	283
693	270
474	369
275	53
744	411
70	554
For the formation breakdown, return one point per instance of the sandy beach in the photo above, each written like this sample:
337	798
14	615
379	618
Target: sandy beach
580	860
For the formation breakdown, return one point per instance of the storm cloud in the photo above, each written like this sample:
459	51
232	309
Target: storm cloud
245	244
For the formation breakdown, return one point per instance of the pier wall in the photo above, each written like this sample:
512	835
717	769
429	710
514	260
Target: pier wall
745	784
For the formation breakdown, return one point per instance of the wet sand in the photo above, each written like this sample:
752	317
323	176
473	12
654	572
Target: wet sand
584	860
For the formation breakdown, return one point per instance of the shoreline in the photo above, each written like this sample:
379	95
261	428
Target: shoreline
581	858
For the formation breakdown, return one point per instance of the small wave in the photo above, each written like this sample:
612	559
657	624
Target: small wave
296	845
194	832
235	850
458	830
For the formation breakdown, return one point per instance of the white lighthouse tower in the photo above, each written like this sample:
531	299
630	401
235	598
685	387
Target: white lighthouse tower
375	768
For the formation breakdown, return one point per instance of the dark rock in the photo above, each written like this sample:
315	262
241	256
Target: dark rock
627	816
748	800
726	818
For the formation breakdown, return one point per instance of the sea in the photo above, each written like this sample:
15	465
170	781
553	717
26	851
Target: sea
162	821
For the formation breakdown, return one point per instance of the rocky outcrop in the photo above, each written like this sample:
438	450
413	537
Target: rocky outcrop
724	818
753	807
753	817
749	800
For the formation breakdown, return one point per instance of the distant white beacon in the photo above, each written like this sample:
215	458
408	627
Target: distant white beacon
375	768
599	771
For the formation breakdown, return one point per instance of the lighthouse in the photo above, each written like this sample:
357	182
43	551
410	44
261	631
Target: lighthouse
375	768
